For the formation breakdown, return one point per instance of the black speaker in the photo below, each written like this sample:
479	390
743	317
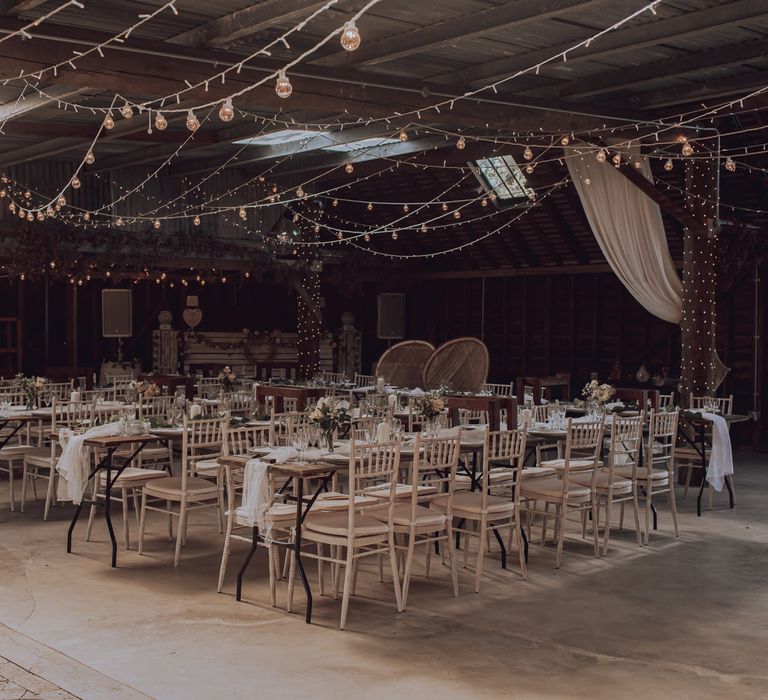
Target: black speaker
116	313
391	316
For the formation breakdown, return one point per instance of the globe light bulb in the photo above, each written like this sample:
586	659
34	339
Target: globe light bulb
299	191
350	37
457	214
193	123
242	213
283	86
423	228
564	141
669	165
126	110
367	237
156	223
89	158
109	121
601	155
61	201
370	206
349	168
160	122
403	136
687	149
527	153
484	202
730	165
226	112
75	182
196	221
461	144
86	216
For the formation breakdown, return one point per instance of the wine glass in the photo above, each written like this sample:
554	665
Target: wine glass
224	408
300	440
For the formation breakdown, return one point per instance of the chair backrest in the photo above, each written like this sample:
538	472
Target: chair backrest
507	446
433	470
284	425
583	441
70	414
372	465
662	438
59	390
103	394
625	442
364	380
666	400
499	389
113	379
155	407
472	415
724	404
201	439
238	439
541	412
240	403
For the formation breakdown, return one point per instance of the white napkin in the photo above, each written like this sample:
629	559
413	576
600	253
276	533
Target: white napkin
416	392
256	496
383	432
282	454
721	457
73	463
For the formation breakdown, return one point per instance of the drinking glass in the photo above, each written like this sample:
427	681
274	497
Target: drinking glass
300	440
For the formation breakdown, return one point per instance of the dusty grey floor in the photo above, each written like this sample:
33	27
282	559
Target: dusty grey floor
682	618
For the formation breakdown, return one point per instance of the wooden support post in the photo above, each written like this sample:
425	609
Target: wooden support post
308	320
699	280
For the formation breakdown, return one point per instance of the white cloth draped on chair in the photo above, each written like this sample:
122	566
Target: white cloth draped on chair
630	231
721	457
73	463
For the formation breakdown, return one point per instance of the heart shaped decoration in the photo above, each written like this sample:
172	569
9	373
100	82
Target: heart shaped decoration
192	317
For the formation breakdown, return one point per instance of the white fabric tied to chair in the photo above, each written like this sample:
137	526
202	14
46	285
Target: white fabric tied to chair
73	463
721	457
256	495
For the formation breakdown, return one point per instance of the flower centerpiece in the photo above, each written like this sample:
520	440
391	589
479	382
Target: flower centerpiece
33	388
430	405
227	378
141	388
598	394
330	415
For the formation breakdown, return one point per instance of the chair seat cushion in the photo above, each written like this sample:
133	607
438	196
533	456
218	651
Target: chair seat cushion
401	516
496	475
207	466
40	456
333	500
18	451
620	483
134	476
552	487
533	472
401	490
171	486
576	464
282	513
642	473
472	502
338	524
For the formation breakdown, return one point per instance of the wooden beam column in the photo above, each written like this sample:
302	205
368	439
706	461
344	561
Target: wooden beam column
698	322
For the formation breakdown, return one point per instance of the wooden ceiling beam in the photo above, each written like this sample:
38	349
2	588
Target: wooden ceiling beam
626	78
452	31
649	33
18	7
247	22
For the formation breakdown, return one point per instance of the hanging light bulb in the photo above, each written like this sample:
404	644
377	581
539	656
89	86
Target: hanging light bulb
22	214
601	156
89	158
86	216
406	208
193	123
242	213
196	220
403	136
444	206
340	235
61	201
299	191
484	202
530	168
295	218
335	203
367	237
528	153
156	224
49	212
669	165
226	111
394	235
12	207
638	164
370	206
616	160
350	37
30	216
317	228
349	168
283	86
119	221
457	214
565	140
423	228
75	182
126	110
109	121
2	193
461	144
687	149
161	122
730	165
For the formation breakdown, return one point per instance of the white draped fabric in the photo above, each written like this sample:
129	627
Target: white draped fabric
721	457
629	229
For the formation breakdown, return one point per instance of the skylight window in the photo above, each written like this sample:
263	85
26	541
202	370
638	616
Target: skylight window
503	176
359	145
283	136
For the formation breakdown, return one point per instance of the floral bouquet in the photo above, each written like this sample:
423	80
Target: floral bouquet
430	405
33	388
598	394
330	415
227	378
142	388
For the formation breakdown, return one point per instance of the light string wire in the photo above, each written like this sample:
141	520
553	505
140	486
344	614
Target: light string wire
23	32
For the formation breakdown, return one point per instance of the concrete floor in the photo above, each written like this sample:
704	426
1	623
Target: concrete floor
683	618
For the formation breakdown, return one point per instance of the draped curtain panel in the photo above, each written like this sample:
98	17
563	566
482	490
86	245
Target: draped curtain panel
630	231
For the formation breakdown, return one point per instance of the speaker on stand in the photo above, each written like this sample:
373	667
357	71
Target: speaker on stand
117	316
391	317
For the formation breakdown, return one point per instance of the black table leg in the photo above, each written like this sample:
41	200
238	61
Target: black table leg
730	490
251	552
78	510
503	548
703	453
297	548
525	542
107	506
